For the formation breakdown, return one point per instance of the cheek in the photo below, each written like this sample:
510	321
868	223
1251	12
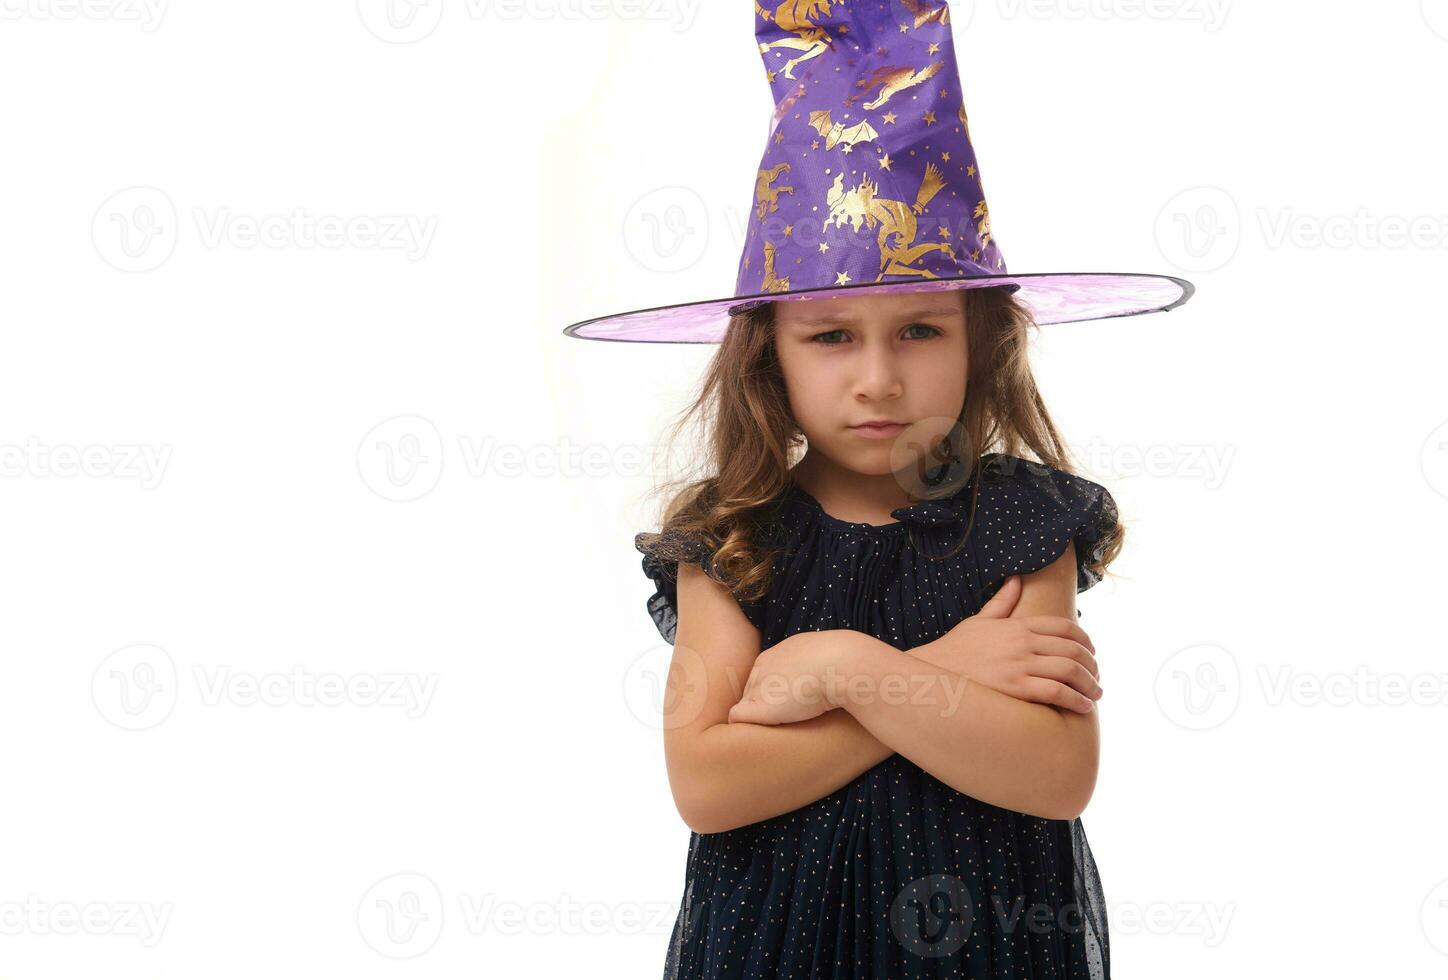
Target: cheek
810	387
943	375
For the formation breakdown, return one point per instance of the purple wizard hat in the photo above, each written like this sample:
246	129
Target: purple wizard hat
869	182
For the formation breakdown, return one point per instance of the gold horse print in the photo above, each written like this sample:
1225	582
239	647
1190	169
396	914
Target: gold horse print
895	220
890	81
795	16
766	195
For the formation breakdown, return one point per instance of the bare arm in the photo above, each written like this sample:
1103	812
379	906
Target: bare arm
725	775
1020	755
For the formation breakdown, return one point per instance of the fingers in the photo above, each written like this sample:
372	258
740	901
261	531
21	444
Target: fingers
1000	605
751	712
1073	674
1059	626
1066	648
1045	691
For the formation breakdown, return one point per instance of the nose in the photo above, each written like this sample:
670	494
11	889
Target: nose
879	374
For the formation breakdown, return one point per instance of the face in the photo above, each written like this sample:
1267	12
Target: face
900	357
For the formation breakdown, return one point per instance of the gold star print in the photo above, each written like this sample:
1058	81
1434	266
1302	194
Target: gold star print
746	261
930	118
815	145
848	148
970	171
903	29
933	49
944	232
771	74
889	117
842	278
787	230
975	255
844	28
945	158
778	137
824	248
885	162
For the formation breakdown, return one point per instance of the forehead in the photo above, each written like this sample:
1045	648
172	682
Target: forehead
864	309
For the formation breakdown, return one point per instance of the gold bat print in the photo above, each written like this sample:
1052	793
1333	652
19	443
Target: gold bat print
837	133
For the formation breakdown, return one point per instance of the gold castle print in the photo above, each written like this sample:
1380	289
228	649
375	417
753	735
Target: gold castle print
895	221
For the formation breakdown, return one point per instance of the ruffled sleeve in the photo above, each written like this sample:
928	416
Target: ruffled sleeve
662	554
1028	513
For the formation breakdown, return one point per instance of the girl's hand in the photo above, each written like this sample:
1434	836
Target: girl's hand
1045	659
787	683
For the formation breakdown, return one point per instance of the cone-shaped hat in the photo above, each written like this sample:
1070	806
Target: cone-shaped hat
869	181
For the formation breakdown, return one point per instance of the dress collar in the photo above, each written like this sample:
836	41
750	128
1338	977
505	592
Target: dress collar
926	513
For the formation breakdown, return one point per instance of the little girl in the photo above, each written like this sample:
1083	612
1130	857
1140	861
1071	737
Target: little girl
881	713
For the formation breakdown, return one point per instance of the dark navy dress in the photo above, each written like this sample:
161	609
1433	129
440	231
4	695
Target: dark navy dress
896	874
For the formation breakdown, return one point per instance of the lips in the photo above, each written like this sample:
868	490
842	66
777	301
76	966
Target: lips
879	430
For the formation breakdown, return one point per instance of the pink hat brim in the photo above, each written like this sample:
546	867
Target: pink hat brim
1056	297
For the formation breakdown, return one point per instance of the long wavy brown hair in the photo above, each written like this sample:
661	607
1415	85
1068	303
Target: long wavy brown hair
747	439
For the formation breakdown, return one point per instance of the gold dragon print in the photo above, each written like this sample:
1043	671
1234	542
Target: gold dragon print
890	81
766	195
894	219
795	16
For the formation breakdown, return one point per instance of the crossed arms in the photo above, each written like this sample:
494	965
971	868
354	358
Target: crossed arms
1030	757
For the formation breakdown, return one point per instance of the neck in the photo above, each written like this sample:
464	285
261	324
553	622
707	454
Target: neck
843	491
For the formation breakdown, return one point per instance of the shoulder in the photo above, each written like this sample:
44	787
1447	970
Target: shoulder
1029	512
664	554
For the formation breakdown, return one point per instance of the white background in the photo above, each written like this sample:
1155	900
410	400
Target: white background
368	466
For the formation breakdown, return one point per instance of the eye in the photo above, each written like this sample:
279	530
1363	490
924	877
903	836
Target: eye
934	331
819	337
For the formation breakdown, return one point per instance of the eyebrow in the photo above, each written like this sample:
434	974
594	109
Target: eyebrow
824	318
